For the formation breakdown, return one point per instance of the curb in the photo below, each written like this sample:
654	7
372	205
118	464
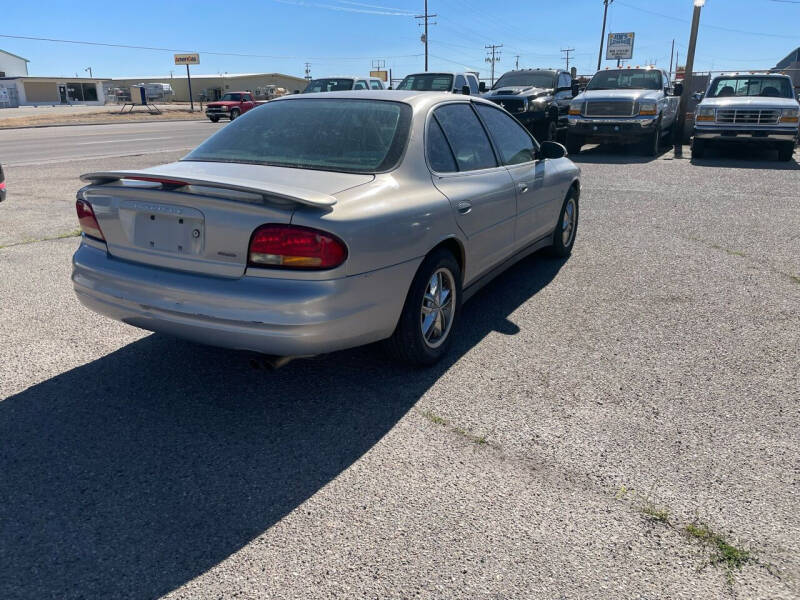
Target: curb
90	123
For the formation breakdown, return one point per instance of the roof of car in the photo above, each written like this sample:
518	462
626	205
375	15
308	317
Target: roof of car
413	97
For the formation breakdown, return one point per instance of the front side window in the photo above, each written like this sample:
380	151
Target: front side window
564	81
329	85
333	134
360	85
512	141
467	137
427	82
474	86
232	97
460	83
375	84
770	87
626	79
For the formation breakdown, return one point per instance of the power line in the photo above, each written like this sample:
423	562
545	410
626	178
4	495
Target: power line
109	45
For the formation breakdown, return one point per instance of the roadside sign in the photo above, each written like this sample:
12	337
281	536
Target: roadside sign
620	46
187	59
382	75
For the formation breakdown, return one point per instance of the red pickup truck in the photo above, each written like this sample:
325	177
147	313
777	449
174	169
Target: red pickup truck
231	105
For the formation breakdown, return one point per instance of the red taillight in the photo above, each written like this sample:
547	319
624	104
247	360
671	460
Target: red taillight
88	222
294	247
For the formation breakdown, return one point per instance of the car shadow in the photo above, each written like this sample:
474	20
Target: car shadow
616	154
744	156
133	474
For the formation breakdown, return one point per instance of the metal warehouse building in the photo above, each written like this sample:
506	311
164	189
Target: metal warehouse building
213	86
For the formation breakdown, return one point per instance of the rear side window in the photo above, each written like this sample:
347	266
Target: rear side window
466	136
375	84
439	155
513	142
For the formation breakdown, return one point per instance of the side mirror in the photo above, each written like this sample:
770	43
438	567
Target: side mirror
698	96
576	89
677	89
552	150
482	87
390	88
465	90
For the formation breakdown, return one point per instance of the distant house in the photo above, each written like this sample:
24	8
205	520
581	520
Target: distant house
791	66
12	65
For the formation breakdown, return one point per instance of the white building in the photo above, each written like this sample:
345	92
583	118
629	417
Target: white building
12	65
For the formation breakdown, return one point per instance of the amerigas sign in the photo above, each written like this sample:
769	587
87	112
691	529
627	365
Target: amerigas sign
620	46
187	59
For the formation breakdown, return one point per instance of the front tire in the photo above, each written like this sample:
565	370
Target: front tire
786	151
234	113
574	143
214	119
433	304
698	148
652	143
566	227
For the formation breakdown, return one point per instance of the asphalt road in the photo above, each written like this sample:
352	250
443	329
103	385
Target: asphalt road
52	145
590	410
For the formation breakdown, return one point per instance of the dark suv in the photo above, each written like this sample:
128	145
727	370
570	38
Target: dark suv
538	98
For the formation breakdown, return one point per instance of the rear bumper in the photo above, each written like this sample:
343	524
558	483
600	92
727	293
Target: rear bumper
610	129
772	134
286	317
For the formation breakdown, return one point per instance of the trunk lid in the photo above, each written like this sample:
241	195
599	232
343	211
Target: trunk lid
199	216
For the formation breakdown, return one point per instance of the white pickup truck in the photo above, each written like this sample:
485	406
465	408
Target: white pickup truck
758	108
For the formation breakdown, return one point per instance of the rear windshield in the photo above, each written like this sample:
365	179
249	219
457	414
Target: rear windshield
332	134
329	85
770	87
626	79
427	82
232	97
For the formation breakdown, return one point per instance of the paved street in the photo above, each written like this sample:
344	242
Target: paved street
52	145
590	410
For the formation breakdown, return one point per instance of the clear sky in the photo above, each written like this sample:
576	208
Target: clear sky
343	36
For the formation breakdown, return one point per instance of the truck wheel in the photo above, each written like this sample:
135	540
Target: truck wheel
549	131
574	143
786	151
698	148
234	113
652	143
433	305
214	119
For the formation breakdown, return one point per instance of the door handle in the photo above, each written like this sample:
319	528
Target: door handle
464	207
522	187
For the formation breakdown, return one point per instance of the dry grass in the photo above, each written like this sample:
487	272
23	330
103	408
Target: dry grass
102	116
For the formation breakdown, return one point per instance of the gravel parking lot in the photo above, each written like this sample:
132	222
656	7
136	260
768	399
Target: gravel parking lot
622	424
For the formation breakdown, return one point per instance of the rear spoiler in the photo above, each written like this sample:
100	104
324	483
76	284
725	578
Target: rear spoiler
291	194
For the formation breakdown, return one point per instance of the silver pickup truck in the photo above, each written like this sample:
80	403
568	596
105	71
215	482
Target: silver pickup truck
757	108
624	106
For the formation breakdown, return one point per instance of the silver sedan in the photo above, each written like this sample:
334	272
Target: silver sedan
313	224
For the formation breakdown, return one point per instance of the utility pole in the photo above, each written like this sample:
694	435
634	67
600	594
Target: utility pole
671	55
425	18
603	34
90	72
494	56
516	63
566	51
687	78
308	71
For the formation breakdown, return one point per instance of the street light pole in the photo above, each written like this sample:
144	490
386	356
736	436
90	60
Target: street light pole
687	76
603	33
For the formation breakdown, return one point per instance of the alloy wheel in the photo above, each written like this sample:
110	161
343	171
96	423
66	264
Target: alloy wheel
568	223
438	308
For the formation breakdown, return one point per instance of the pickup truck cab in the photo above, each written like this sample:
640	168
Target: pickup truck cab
759	108
454	83
343	84
538	98
230	106
630	105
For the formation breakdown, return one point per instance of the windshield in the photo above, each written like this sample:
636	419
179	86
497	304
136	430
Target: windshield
526	79
771	87
329	85
427	82
334	134
231	97
626	79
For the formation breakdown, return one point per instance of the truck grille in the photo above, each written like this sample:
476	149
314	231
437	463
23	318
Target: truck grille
609	108
748	116
512	105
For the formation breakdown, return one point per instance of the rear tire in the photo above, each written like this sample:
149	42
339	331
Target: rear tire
425	329
566	227
234	113
698	148
786	151
574	144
